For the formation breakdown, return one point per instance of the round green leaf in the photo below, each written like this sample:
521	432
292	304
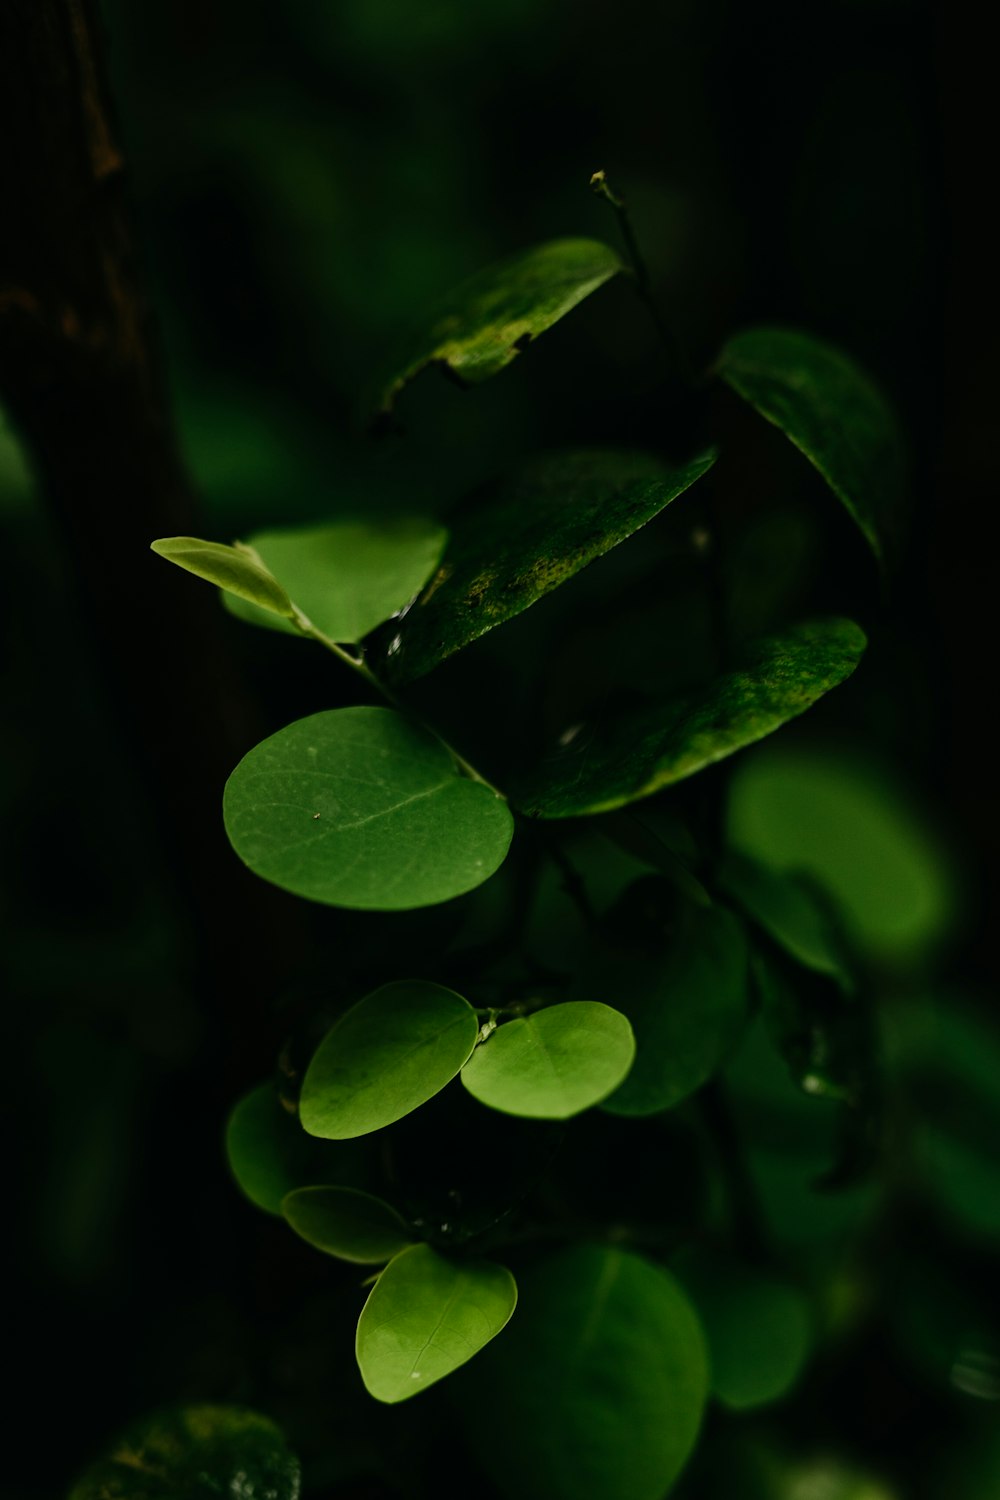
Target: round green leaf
346	577
238	570
687	1005
599	1386
269	1153
426	1316
522	540
832	412
599	766
480	327
553	1064
198	1453
346	1223
390	1053
360	807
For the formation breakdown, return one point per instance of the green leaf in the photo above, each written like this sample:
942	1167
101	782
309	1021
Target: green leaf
360	807
603	765
390	1053
789	912
759	1328
426	1316
553	1064
687	1002
346	577
525	538
343	1222
831	410
598	1388
483	324
238	570
198	1452
270	1154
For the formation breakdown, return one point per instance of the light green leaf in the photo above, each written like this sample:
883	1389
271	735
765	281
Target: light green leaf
269	1153
360	807
482	325
390	1053
198	1452
343	1222
553	1064
789	912
522	540
238	570
599	766
687	1004
598	1388
830	409
426	1316
346	577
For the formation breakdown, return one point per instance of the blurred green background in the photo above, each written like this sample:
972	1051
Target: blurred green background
307	179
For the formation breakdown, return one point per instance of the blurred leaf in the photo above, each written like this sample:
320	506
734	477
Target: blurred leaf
600	766
426	1316
238	570
832	411
658	839
360	807
841	820
554	1063
350	1225
346	577
270	1154
525	538
789	913
599	1387
389	1054
483	324
195	1452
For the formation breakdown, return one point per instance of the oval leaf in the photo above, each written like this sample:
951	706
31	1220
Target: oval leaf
360	807
199	1452
238	570
389	1054
832	412
343	1222
269	1153
481	326
598	1387
789	912
522	540
687	1004
346	577
553	1064
606	765
426	1316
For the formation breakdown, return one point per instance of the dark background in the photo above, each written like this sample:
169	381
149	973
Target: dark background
306	179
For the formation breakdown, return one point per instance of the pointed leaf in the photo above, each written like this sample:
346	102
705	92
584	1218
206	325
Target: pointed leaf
343	1222
606	765
269	1153
389	1054
198	1452
426	1316
832	411
522	540
599	1385
553	1064
238	570
480	327
360	807
789	912
346	577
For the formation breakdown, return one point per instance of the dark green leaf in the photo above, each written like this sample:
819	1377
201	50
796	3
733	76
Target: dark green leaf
426	1316
521	541
598	1388
553	1064
391	1052
195	1453
238	570
350	1225
346	577
831	410
360	807
599	766
789	912
270	1154
480	327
